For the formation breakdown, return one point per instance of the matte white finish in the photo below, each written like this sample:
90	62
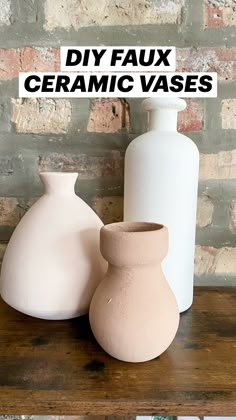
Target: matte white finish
52	264
161	181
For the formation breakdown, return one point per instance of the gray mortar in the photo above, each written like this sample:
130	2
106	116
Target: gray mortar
214	280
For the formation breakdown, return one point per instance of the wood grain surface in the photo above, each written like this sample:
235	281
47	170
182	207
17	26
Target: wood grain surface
57	368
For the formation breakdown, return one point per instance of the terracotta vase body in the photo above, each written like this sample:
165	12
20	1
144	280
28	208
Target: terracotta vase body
133	314
52	264
161	182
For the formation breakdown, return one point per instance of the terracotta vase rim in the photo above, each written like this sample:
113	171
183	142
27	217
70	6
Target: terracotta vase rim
142	243
133	228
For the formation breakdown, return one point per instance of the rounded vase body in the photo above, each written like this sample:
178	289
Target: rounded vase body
133	314
161	182
52	263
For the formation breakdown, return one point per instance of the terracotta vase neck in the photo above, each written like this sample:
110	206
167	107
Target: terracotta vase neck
62	183
131	244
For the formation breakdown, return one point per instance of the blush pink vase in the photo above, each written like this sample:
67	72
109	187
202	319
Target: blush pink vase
133	314
52	264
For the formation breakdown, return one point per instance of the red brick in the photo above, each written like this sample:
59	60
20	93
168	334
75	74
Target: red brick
209	260
76	14
213	16
109	209
12	61
5	12
205	210
232	211
108	116
10	211
220	60
218	14
228	114
41	115
191	118
9	63
218	166
40	59
87	166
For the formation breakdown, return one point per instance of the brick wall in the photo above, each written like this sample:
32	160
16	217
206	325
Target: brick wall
90	136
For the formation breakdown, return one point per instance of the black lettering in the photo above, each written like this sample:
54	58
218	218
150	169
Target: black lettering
190	85
98	56
73	57
130	58
112	83
86	57
47	85
148	61
115	56
79	84
28	86
62	83
96	85
120	83
163	57
177	82
146	86
204	82
161	84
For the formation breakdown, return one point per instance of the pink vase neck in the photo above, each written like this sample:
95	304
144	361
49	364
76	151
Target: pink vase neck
59	182
163	113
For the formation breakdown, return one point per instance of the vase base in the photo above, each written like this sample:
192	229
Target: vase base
185	308
49	316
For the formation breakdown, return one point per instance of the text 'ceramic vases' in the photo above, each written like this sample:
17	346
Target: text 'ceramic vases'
133	314
161	181
52	264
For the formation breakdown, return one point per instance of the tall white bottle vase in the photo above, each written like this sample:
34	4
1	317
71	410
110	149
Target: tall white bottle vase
161	182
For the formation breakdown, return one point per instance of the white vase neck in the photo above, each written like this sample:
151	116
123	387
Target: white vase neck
162	120
59	182
163	112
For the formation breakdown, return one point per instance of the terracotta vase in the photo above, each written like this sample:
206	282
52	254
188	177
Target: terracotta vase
133	314
52	264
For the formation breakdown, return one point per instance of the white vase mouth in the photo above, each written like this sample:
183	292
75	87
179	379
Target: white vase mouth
151	104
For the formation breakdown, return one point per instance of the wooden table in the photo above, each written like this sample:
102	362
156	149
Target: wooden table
58	368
